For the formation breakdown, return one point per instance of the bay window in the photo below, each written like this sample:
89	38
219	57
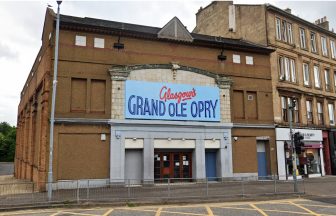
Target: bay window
287	69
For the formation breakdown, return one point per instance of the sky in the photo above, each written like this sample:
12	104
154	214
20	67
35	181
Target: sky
21	25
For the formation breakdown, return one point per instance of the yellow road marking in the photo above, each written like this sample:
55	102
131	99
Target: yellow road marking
237	208
183	213
158	212
56	213
76	213
210	213
314	205
108	212
258	209
307	210
25	212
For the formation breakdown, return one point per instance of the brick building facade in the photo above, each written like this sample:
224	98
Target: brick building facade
303	67
105	65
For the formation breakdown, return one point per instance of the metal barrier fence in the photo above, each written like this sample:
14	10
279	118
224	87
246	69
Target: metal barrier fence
84	191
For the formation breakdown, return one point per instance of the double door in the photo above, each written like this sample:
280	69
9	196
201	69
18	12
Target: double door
176	165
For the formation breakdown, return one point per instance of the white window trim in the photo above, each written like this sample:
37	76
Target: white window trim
80	40
324	46
317	79
306	77
278	28
331	113
99	42
303	38
249	60
332	49
236	58
313	42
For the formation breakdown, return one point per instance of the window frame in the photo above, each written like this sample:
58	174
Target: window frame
96	43
331	114
320	117
284	103
303	42
309	110
234	60
332	49
287	69
327	83
306	77
324	45
249	60
80	40
318	76
313	45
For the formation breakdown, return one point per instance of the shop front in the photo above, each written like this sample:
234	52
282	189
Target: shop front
169	124
310	162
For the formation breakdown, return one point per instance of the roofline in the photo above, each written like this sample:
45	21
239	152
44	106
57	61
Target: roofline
254	48
298	19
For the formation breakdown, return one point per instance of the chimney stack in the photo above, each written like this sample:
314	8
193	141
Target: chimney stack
288	10
323	22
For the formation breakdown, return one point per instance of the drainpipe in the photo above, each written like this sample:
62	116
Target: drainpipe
52	115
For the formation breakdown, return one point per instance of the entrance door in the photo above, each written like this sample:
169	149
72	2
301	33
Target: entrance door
210	165
133	166
175	165
261	154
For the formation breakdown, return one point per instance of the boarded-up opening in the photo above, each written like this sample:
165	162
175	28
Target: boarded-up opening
83	156
98	96
238	104
78	95
251	105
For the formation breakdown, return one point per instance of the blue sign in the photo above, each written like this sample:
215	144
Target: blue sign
167	101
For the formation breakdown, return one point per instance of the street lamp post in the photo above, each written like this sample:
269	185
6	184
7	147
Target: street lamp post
291	109
52	115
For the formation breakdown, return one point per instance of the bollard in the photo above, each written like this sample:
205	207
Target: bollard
207	187
77	191
129	188
275	185
169	187
243	187
88	189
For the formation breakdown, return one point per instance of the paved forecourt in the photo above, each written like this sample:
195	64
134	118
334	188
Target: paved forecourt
286	207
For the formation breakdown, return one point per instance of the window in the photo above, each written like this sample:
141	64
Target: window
249	60
317	77
285	103
278	29
287	69
306	74
99	42
320	113
313	42
303	38
327	79
331	114
309	112
236	58
290	33
80	40
332	49
284	30
335	80
324	46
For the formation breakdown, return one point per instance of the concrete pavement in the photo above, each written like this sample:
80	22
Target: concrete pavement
285	207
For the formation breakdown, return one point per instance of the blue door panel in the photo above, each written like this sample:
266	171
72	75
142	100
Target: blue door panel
210	165
262	170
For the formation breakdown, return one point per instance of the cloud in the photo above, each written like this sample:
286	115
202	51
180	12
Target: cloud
6	52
